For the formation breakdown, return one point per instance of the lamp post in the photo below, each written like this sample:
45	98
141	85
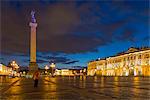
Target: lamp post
52	67
46	68
15	66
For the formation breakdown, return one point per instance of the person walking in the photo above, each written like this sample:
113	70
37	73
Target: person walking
36	76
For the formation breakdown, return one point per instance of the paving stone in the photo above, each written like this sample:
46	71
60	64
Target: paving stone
80	88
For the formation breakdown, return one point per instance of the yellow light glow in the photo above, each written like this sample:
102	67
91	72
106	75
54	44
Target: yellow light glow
46	67
52	65
122	65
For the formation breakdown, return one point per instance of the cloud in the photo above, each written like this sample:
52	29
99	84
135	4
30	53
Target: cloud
127	34
1	58
60	59
41	61
58	19
71	62
146	38
65	27
71	44
56	59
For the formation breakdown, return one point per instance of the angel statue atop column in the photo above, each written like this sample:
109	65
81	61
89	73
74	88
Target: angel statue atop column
33	17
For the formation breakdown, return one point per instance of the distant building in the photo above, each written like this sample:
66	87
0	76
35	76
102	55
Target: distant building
134	62
64	72
70	72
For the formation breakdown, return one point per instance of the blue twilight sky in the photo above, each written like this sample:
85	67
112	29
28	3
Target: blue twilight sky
72	33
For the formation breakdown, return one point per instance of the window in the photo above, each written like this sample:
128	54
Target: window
124	59
139	57
146	56
134	57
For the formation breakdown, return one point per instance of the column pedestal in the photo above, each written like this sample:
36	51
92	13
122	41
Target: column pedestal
33	66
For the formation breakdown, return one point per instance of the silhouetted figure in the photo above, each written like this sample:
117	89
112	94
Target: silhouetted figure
36	76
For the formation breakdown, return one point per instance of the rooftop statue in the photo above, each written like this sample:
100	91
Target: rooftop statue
33	20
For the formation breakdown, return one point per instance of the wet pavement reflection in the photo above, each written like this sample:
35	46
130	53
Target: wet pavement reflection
5	81
79	88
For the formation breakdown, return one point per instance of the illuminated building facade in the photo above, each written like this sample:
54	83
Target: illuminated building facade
92	68
4	70
70	72
64	72
134	62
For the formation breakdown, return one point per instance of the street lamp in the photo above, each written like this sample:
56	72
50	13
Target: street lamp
15	65
52	65
46	68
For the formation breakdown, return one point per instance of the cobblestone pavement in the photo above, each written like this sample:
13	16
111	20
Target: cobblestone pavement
80	88
6	82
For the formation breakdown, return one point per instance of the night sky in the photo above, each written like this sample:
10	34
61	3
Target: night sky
72	33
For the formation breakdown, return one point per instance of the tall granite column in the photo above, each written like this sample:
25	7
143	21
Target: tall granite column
33	65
